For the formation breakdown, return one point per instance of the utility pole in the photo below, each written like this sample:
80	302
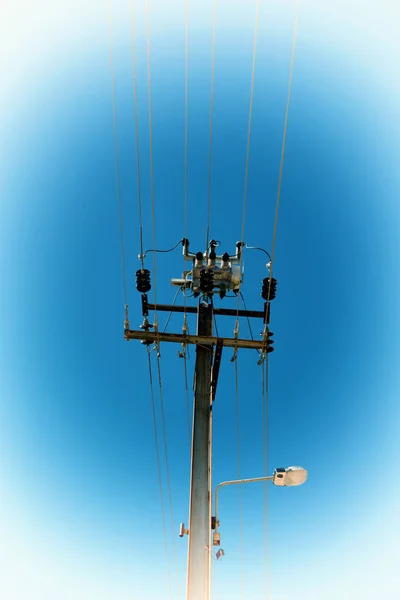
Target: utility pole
198	575
204	279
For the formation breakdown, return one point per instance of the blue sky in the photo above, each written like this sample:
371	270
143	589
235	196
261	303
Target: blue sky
81	514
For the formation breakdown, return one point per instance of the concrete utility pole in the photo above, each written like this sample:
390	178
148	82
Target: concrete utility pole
198	576
204	279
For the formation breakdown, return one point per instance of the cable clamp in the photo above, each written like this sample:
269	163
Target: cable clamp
126	322
263	356
235	335
156	342
185	330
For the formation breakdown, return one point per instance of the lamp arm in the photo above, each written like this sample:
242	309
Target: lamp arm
239	482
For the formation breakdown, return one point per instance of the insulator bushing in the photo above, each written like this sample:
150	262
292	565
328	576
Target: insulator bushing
265	288
143	284
206	280
270	341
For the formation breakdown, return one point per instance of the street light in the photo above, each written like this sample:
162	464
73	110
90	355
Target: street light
282	477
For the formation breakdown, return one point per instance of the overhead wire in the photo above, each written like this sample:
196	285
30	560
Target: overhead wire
185	373
240	295
153	231
207	245
250	119
256	248
247	317
162	251
114	106
155	317
239	476
265	390
164	429
184	353
278	198
186	136
170	312
211	124
253	69
159	473
264	433
137	139
185	328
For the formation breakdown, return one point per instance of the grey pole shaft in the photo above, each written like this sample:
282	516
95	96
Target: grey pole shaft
198	576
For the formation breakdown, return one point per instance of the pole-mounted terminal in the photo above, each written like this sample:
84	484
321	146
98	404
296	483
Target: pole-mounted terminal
223	272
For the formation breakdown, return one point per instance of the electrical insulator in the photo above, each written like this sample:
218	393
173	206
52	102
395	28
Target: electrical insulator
265	287
206	280
225	260
213	522
143	281
270	341
199	260
211	257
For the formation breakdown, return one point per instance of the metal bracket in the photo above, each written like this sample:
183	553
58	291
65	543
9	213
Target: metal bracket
227	312
267	312
145	306
217	363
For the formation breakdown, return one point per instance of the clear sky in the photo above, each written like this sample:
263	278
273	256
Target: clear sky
80	506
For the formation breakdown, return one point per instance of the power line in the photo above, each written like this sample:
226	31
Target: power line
137	137
187	400
211	124
167	464
239	475
184	354
121	229
153	232
253	68
265	391
185	178
246	178
278	199
170	312
247	318
264	433
159	472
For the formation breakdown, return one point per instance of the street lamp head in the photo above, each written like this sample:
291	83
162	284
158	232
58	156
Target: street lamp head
290	476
